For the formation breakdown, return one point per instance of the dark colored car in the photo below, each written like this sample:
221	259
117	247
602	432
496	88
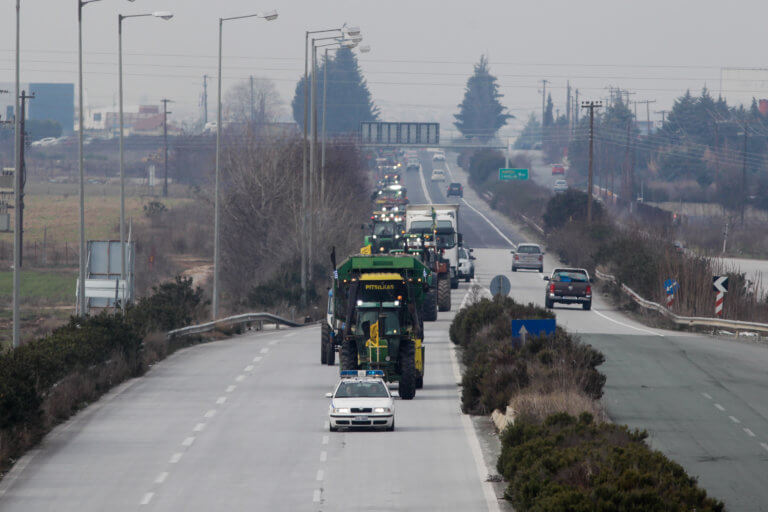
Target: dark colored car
568	286
455	189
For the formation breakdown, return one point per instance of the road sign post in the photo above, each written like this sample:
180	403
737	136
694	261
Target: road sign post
513	174
670	286
500	285
720	287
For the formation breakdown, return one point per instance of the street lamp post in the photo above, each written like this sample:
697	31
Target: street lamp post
269	16
304	246
164	16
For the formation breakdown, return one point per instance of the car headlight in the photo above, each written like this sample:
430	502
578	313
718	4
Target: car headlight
380	410
340	410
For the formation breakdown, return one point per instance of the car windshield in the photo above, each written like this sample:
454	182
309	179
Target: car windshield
528	249
361	389
570	276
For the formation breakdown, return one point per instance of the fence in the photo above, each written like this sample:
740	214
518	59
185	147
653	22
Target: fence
40	254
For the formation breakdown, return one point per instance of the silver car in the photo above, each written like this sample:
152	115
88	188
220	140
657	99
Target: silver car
528	256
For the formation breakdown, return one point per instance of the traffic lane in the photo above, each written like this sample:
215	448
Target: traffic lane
107	456
262	452
425	464
528	286
475	230
701	400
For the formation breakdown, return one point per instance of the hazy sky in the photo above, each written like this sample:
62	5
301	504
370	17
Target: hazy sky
422	50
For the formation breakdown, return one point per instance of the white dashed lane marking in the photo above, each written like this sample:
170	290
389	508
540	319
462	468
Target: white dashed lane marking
231	388
188	441
249	368
210	414
161	477
240	378
765	446
147	498
320	475
707	396
734	419
199	427
176	457
323	456
749	432
720	407
257	359
326	439
265	350
316	496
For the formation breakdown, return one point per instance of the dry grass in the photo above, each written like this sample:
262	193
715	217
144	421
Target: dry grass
536	406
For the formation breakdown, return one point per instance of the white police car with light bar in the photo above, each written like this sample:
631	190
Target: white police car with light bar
361	399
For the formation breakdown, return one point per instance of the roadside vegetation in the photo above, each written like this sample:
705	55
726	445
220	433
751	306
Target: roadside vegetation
560	453
47	380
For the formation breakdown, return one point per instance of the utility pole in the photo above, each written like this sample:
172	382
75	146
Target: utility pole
568	104
253	102
591	105
663	116
543	99
165	144
22	180
744	174
205	100
647	112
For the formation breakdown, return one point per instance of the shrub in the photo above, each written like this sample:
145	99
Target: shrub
574	464
172	305
568	207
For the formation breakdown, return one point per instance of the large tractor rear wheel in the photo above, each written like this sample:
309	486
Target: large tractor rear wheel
348	356
429	308
325	340
407	370
444	293
330	357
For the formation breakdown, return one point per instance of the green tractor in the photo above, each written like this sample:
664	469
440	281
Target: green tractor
377	302
386	232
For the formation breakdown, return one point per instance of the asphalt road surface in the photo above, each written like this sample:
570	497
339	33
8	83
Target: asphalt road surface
241	423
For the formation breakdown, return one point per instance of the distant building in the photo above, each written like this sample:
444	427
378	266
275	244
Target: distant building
55	102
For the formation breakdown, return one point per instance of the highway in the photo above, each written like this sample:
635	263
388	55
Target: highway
241	423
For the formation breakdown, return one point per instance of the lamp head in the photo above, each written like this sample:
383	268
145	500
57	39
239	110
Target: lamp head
270	15
351	31
365	48
165	15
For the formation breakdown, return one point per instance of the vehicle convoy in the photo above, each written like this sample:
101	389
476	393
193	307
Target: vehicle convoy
386	232
443	221
568	286
375	317
391	195
361	399
528	256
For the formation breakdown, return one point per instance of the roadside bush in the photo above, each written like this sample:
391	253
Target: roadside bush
172	305
574	464
497	370
570	206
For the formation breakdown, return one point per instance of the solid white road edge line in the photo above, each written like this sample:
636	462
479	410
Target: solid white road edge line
626	325
749	432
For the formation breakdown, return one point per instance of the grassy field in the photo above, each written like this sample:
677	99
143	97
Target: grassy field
56	206
49	287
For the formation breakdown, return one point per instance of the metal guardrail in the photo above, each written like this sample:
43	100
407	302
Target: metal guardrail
246	318
690	321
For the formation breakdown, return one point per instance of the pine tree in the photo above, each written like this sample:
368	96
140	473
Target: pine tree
348	101
549	117
481	114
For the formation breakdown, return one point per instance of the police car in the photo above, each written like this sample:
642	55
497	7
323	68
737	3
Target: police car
361	400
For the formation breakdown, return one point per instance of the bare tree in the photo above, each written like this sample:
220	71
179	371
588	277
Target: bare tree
255	100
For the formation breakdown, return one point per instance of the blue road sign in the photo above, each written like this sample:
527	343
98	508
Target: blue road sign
539	327
671	286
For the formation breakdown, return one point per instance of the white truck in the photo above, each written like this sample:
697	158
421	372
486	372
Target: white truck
419	219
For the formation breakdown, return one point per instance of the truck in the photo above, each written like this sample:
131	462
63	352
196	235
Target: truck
375	316
443	220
